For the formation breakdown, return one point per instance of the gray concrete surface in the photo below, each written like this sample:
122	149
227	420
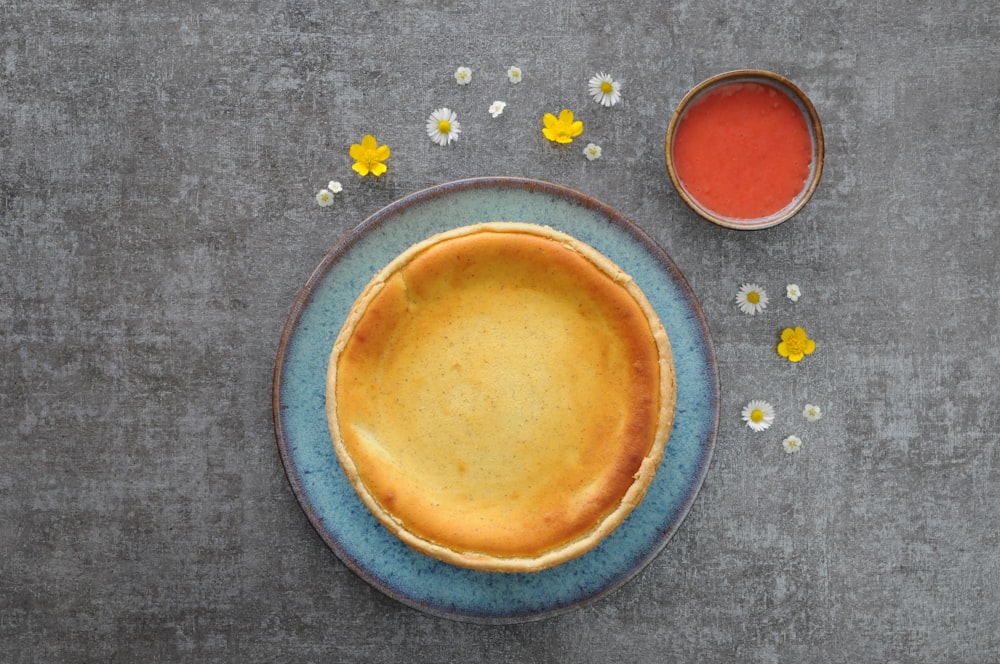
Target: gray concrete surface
158	163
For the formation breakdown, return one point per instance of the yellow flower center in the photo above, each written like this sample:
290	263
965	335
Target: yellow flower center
444	127
606	87
753	297
795	346
757	415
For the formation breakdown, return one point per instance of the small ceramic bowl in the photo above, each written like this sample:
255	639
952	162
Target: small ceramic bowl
715	143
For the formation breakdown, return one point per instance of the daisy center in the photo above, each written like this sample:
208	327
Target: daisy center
444	127
606	87
757	415
753	297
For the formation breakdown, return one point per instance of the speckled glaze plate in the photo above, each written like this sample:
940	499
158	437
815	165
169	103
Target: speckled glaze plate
328	498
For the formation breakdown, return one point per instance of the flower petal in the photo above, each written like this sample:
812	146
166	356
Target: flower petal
360	167
378	168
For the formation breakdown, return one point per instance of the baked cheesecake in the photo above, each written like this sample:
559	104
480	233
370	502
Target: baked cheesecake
500	396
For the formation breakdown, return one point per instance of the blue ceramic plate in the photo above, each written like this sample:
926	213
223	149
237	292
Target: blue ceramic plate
340	517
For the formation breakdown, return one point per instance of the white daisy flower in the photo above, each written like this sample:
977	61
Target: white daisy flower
792	444
463	75
793	292
592	151
605	90
811	412
514	74
496	108
324	197
443	126
335	187
758	414
751	299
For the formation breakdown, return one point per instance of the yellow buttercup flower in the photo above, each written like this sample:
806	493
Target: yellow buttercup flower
369	155
563	128
795	344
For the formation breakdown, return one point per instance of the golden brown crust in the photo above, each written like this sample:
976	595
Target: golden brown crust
500	396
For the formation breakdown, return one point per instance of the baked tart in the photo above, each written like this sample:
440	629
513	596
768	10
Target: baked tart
500	396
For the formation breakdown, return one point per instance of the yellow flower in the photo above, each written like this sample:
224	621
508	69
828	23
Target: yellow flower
795	344
369	155
561	129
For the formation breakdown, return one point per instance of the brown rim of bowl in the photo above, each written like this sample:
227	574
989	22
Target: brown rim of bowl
815	131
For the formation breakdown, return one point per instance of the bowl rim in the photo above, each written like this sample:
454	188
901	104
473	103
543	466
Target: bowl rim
812	121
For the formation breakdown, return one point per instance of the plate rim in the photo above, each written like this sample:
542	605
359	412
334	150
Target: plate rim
306	292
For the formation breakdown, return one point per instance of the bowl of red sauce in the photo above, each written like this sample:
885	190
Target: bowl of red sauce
745	149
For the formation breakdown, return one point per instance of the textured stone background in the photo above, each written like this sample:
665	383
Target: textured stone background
158	163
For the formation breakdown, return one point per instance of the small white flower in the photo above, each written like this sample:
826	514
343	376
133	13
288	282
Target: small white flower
496	108
324	197
463	75
758	414
811	412
443	126
751	299
792	444
592	151
605	90
335	187
793	292
514	74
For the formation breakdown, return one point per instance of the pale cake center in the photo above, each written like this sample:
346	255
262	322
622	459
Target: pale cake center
481	401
